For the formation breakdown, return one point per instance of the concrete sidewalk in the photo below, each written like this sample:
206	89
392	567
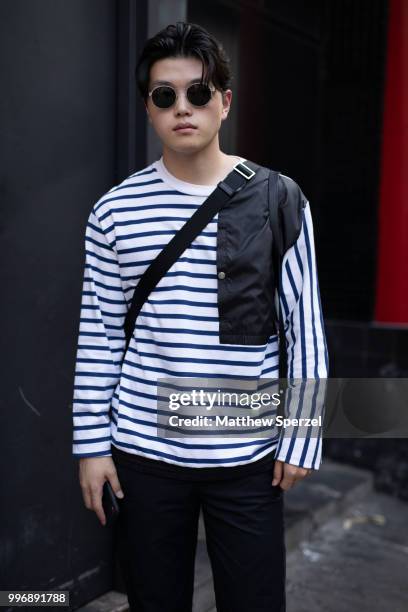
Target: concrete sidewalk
357	561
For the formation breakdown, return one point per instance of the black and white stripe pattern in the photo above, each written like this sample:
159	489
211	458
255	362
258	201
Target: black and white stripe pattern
176	331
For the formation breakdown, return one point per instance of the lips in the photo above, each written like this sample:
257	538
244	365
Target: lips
182	126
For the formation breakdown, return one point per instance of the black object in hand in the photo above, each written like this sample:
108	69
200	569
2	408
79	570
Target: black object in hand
109	503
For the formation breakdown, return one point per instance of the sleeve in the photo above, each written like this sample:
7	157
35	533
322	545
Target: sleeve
307	352
101	340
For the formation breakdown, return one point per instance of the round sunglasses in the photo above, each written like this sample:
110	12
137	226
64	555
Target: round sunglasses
198	94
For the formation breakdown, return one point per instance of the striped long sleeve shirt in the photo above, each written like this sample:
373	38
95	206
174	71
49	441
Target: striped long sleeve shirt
176	332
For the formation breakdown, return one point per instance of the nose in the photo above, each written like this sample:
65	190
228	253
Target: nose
182	105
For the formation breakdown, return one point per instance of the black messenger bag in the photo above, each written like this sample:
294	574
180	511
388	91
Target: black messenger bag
233	182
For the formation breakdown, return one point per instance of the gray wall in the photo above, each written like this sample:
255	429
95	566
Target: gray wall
63	144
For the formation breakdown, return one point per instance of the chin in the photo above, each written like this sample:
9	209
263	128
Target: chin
185	147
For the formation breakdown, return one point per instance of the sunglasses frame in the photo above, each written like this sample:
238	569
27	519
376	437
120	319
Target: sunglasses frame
185	89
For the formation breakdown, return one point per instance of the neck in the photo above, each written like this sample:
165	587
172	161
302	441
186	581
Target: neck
205	167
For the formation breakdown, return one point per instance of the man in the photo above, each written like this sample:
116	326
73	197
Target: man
163	482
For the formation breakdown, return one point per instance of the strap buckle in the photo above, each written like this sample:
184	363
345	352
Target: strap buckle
244	170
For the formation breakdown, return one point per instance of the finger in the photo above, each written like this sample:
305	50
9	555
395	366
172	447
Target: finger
277	472
289	478
86	495
97	505
287	482
115	484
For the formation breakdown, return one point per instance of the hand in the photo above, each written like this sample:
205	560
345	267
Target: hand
93	471
291	474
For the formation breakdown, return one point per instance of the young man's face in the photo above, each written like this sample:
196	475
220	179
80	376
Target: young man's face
207	119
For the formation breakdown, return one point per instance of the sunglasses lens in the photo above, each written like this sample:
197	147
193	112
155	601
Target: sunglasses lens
198	94
163	97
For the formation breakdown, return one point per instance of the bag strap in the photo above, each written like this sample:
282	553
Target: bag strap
277	257
236	180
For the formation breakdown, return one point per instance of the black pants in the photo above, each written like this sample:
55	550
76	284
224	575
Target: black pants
244	527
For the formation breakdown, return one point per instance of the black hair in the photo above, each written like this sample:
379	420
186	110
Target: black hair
185	40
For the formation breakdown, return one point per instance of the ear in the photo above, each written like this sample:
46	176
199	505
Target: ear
226	102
